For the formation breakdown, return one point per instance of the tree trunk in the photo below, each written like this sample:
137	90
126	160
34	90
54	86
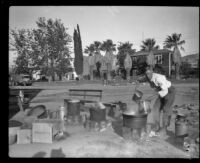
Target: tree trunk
52	71
177	68
128	73
91	72
60	77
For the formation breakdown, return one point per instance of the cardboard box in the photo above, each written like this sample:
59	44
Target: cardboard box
42	132
24	136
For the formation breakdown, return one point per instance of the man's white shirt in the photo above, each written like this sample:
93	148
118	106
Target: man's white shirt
161	81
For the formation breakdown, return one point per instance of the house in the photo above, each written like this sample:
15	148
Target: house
192	59
163	58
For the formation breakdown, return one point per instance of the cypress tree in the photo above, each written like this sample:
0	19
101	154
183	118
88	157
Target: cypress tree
78	61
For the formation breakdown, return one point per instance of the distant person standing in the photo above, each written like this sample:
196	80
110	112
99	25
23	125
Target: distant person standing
164	102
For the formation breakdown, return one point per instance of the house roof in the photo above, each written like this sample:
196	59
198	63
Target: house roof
166	51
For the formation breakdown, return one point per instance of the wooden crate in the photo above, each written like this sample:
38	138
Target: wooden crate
24	136
57	124
42	132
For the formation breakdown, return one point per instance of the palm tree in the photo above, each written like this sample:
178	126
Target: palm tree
124	48
97	56
90	50
124	52
174	41
149	45
108	46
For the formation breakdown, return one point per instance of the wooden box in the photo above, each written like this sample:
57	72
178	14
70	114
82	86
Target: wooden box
24	136
42	132
57	124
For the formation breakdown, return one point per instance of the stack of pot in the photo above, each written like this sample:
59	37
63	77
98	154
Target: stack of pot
133	116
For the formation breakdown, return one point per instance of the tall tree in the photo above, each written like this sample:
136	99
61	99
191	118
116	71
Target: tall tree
20	42
123	49
49	42
109	47
89	49
91	60
54	42
149	45
174	42
78	60
97	57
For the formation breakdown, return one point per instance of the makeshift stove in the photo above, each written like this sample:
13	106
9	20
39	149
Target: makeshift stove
96	119
135	115
72	111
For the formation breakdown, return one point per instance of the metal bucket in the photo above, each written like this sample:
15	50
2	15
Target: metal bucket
181	126
14	126
73	107
181	129
134	121
97	115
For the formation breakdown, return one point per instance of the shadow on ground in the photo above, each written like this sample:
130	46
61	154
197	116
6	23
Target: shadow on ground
55	153
39	155
173	140
118	127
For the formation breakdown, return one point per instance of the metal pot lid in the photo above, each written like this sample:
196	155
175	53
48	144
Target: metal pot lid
74	101
133	114
129	112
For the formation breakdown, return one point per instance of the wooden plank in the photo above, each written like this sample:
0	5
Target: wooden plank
85	95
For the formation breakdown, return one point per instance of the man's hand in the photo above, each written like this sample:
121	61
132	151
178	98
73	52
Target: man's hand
157	89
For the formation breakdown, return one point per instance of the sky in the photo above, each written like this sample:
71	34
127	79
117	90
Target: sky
119	23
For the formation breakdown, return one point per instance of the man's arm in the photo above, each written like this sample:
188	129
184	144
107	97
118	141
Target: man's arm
142	78
162	83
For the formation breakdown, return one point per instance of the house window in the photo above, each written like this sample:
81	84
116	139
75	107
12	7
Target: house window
158	59
134	59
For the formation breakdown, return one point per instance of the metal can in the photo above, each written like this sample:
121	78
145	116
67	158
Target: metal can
21	95
62	112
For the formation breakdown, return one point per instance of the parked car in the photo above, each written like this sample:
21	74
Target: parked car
43	78
22	79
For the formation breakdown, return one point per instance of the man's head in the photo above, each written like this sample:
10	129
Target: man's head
149	72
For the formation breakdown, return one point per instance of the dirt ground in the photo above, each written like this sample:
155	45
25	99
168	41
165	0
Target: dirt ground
109	143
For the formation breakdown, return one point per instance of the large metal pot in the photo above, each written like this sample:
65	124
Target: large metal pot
73	107
97	114
135	120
